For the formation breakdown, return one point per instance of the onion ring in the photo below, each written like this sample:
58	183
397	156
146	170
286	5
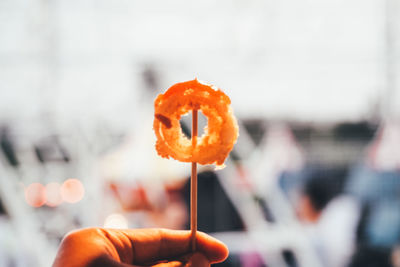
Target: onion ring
219	135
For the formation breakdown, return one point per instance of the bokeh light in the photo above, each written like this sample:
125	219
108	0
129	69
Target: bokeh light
72	191
116	221
35	195
53	194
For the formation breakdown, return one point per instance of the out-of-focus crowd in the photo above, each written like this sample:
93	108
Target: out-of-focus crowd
281	200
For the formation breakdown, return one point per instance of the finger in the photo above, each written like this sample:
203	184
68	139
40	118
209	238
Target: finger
170	264
90	247
197	260
158	244
191	260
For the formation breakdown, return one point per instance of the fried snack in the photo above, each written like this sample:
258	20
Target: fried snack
219	135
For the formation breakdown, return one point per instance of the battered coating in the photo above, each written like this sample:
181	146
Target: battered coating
219	136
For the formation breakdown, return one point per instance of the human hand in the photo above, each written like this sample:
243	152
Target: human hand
137	247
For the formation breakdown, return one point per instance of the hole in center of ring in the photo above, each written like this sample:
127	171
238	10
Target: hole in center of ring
186	124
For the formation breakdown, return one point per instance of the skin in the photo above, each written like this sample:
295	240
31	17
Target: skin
94	247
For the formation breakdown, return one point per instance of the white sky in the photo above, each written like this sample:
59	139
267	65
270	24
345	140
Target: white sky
308	60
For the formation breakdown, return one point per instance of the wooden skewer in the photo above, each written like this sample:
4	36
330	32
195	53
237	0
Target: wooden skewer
193	186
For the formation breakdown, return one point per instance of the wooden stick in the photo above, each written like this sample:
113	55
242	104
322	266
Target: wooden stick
193	187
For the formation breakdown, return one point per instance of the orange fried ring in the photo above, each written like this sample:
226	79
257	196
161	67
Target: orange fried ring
219	135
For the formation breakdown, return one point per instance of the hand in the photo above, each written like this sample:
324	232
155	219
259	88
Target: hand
137	247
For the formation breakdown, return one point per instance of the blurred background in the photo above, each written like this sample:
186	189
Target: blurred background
314	179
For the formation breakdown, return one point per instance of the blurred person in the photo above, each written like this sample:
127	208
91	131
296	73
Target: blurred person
378	231
330	217
379	194
395	256
371	257
216	213
137	247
